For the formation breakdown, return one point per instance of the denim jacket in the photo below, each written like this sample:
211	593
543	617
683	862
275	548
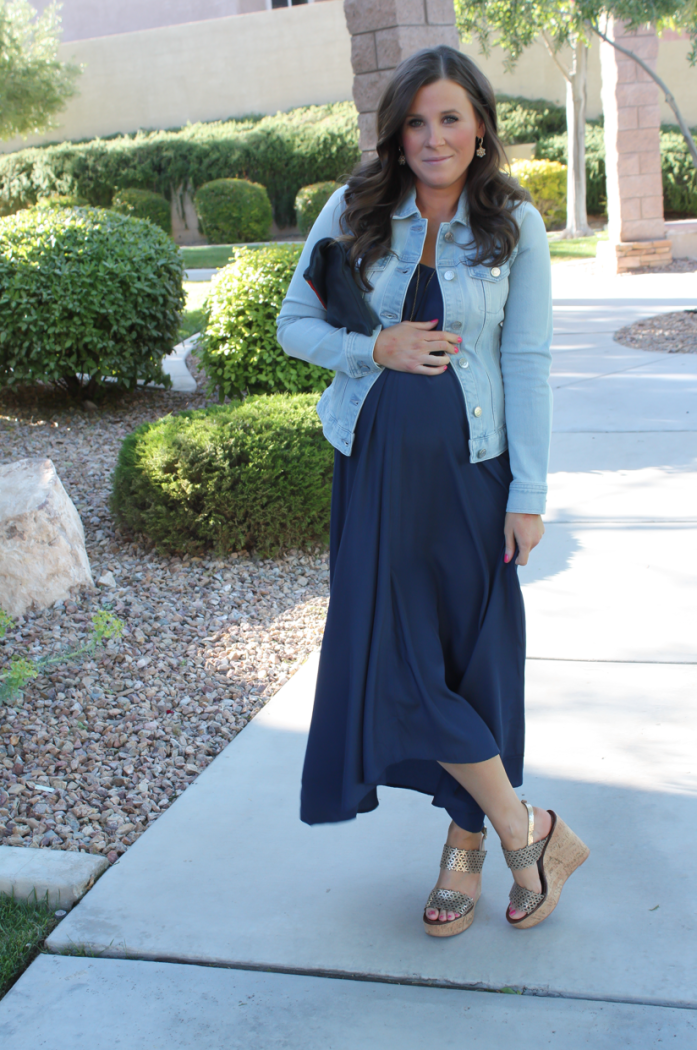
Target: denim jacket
503	313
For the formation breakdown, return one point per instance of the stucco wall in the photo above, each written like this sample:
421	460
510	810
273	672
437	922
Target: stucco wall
83	19
269	61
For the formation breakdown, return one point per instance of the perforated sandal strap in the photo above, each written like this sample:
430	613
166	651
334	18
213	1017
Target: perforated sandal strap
524	900
468	860
450	900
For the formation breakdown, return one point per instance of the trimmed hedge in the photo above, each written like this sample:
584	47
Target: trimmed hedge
86	292
144	204
554	148
545	181
255	475
679	173
310	201
528	120
232	210
239	350
58	201
282	152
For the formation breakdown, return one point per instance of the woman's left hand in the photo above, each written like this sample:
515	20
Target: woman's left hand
525	530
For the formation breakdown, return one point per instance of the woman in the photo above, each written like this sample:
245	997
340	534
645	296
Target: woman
441	420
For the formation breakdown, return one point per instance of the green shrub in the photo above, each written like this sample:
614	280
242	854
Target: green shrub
545	181
86	293
239	350
554	148
282	152
528	120
232	210
144	204
255	475
679	173
310	201
58	201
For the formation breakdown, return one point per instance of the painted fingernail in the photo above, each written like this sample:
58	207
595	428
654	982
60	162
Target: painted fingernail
459	339
506	558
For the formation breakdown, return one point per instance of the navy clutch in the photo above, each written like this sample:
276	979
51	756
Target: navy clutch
332	280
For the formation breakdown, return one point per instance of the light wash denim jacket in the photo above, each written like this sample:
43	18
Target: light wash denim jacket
503	313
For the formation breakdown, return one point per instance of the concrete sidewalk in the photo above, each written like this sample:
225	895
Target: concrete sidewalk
230	878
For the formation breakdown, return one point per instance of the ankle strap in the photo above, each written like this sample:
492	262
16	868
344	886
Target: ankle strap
531	821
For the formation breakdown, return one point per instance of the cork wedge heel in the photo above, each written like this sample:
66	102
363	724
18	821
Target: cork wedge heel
557	856
468	860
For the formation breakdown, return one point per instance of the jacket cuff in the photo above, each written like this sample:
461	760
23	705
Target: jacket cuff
359	353
526	499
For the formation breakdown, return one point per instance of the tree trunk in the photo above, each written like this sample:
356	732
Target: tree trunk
576	215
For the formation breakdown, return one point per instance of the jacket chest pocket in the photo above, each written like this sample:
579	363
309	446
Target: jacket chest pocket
493	282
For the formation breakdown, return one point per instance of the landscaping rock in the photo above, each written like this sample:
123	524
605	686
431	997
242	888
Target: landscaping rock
42	543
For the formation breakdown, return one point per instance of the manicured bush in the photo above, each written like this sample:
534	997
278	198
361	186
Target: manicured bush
144	204
555	148
528	120
232	210
58	201
86	292
282	152
545	181
310	201
251	475
239	350
679	173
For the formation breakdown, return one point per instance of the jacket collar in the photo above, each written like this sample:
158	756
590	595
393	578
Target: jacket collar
408	209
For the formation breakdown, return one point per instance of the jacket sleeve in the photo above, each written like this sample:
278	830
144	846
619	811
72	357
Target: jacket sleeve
525	365
302	327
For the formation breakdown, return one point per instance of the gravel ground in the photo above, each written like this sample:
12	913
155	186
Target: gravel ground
95	750
674	333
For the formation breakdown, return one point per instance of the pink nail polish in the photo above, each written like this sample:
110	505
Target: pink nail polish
506	558
459	339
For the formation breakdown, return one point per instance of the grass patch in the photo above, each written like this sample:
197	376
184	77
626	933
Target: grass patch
23	929
207	256
194	316
579	248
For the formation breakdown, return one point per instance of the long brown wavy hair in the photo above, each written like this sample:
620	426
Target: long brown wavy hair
378	186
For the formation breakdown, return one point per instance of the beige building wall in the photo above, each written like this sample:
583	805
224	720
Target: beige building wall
273	60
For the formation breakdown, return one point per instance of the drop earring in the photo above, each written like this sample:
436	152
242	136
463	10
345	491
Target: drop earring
401	159
481	152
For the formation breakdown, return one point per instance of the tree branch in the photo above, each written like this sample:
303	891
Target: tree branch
687	135
555	58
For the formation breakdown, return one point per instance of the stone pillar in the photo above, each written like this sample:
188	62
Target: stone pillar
631	109
383	32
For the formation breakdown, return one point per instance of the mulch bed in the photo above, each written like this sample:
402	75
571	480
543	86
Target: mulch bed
674	333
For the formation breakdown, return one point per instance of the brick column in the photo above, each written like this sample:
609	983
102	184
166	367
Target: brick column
383	32
632	153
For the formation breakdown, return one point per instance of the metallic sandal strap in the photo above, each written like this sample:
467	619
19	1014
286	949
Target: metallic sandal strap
450	900
469	860
525	857
531	821
525	900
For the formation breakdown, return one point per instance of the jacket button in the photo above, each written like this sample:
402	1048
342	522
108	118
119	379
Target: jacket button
464	363
449	275
477	411
481	454
448	236
455	325
495	272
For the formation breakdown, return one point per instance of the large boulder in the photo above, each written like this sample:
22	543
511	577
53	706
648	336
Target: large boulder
42	543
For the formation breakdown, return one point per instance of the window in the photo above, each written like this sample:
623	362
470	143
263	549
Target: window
288	3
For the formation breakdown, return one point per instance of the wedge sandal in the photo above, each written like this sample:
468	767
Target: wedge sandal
557	856
469	860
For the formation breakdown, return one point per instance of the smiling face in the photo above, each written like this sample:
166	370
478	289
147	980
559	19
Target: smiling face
439	134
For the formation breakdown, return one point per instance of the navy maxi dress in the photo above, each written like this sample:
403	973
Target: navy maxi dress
423	653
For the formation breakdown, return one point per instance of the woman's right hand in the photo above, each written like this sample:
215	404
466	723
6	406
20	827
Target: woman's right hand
407	347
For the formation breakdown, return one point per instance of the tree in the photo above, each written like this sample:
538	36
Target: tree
559	23
34	84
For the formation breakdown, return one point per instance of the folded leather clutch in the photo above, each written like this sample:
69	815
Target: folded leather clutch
331	278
